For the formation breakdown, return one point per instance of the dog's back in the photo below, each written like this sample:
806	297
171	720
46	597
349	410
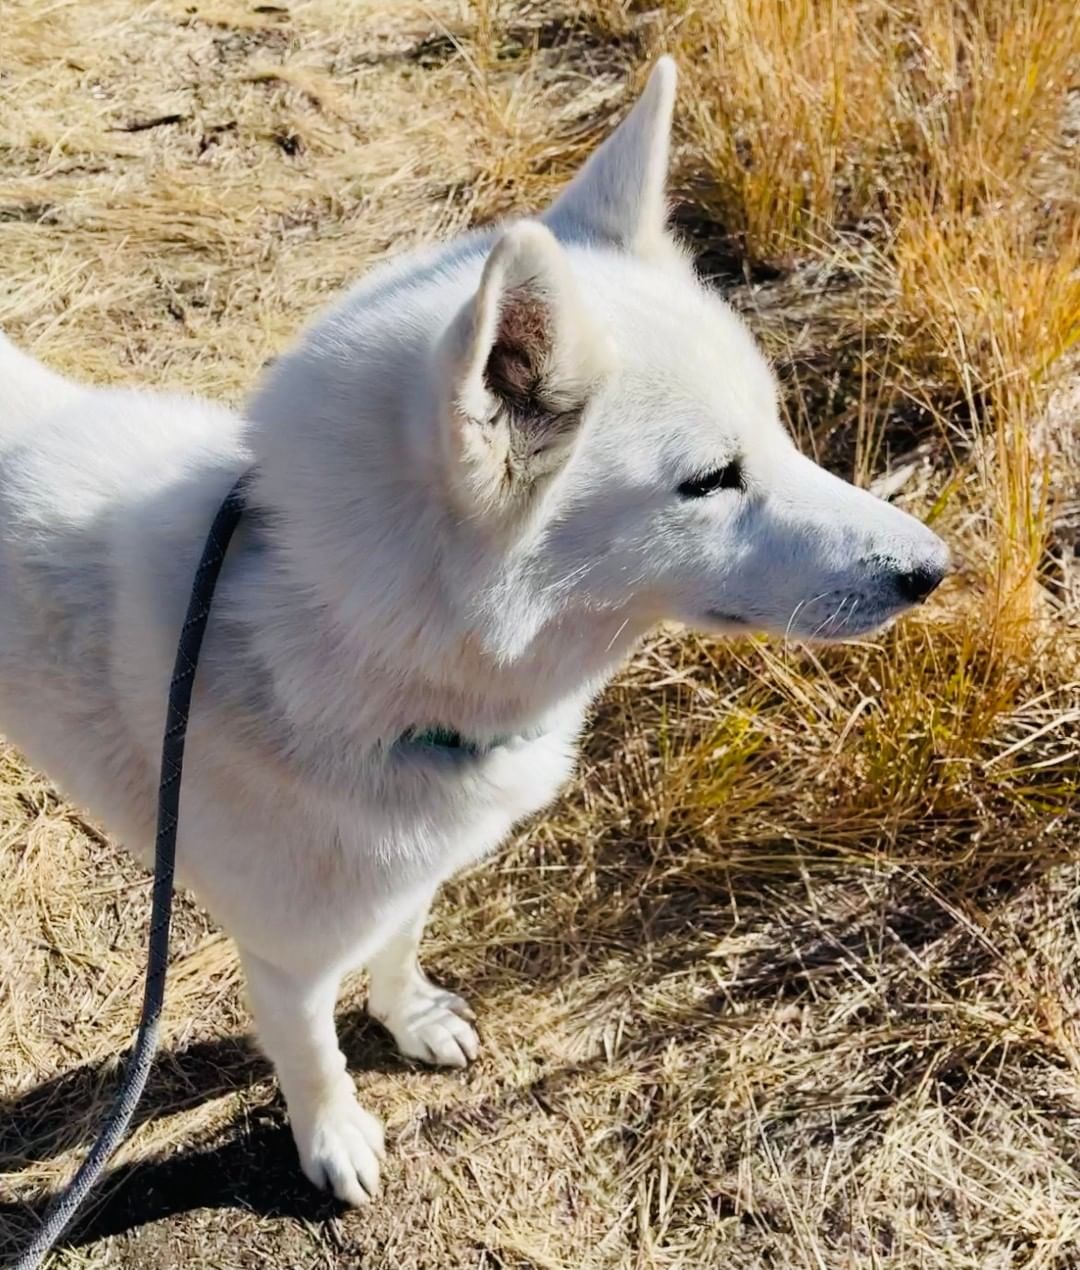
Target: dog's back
28	391
105	496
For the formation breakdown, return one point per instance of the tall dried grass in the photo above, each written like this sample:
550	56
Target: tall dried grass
790	976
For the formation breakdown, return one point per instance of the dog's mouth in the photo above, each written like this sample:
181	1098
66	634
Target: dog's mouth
838	627
847	616
833	627
716	617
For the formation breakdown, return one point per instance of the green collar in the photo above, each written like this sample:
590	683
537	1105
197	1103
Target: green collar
439	738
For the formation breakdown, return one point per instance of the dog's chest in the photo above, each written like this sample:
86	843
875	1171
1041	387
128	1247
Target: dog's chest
437	813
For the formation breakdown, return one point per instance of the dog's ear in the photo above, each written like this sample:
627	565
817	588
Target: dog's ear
618	197
524	361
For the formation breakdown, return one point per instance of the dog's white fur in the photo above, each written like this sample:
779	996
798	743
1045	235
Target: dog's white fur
465	511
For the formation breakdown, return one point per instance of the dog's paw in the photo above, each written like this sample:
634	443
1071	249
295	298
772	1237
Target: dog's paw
432	1025
341	1147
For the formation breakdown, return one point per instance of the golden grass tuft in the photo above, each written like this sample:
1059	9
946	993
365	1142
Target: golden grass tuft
815	114
790	976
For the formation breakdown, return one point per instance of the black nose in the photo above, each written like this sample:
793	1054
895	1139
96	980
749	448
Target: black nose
916	584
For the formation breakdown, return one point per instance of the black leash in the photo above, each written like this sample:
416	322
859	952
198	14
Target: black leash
68	1202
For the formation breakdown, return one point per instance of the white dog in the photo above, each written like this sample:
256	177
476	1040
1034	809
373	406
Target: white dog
477	482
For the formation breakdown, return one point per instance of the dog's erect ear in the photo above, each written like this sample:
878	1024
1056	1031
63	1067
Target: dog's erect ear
524	360
618	196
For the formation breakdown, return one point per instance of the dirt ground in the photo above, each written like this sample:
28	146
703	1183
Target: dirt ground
789	977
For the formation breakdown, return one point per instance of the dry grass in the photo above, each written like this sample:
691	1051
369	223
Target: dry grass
790	977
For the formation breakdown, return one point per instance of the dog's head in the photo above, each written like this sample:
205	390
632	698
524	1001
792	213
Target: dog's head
555	429
612	426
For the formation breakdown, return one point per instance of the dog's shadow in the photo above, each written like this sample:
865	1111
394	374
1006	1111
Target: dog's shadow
252	1165
254	1168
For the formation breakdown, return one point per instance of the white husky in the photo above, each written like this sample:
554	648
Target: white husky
477	482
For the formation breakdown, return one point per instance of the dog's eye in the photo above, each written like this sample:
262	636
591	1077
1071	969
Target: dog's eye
729	477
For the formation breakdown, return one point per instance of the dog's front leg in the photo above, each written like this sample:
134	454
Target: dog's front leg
426	1021
340	1144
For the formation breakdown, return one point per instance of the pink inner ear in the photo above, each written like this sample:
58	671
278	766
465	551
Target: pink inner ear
517	360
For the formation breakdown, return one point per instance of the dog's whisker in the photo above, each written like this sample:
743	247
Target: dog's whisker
791	620
824	626
813	599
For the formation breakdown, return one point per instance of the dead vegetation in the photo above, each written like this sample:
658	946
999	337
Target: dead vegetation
789	978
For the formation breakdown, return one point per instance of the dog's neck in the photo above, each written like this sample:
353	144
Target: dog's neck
363	668
380	611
